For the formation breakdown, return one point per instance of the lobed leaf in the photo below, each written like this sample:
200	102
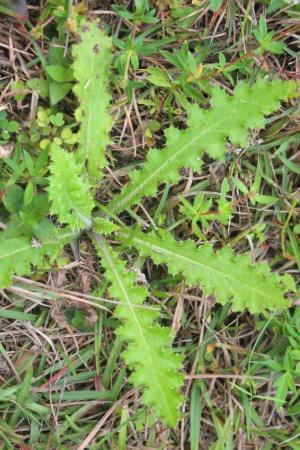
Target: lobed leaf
220	273
92	57
104	226
149	354
69	192
229	118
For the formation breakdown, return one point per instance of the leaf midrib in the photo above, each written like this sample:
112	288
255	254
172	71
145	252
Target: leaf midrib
88	137
162	167
88	141
15	252
30	247
160	250
131	308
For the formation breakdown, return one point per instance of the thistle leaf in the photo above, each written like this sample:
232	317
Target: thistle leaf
20	254
104	226
149	354
16	257
229	118
69	192
91	70
221	273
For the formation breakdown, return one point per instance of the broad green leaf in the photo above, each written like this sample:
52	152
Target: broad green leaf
13	198
221	273
69	192
228	119
155	367
19	255
59	73
58	91
91	70
215	4
39	85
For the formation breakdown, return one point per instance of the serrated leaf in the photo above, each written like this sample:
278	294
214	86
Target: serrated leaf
91	70
149	354
228	276
104	226
69	192
228	119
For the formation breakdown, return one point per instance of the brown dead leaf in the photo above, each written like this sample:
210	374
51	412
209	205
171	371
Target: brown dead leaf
176	325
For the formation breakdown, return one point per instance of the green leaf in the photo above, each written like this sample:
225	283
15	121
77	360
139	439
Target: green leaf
228	276
104	226
266	39
240	185
80	319
17	315
215	4
158	77
35	212
149	352
297	229
195	417
275	47
274	5
59	73
19	255
265	199
69	192
91	70
229	118
57	119
12	126
13	199
262	27
38	85
16	257
29	193
282	389
16	87
58	91
288	361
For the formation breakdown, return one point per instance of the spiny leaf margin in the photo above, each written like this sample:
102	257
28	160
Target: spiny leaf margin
92	57
229	117
228	276
69	192
155	366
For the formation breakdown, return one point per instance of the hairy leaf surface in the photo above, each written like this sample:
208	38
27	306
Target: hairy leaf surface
69	191
221	273
228	119
149	354
91	70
